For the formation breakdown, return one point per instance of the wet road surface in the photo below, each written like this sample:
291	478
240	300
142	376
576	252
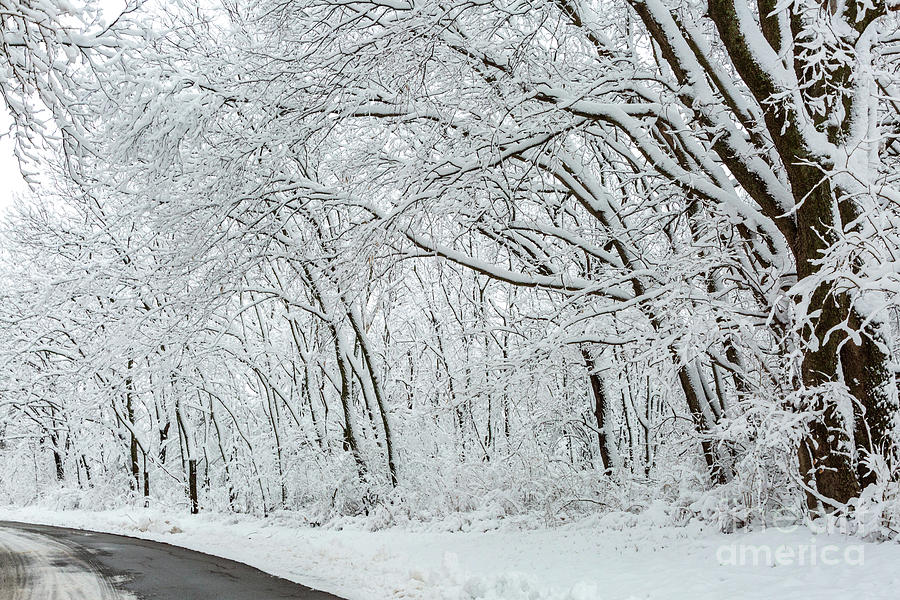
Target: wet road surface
38	562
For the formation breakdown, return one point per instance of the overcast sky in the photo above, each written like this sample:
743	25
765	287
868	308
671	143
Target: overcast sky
10	179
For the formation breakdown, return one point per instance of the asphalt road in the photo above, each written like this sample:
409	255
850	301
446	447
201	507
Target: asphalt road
51	563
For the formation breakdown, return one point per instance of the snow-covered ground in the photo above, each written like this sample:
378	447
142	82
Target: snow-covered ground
616	557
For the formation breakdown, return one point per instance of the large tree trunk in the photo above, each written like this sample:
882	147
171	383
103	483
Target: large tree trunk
869	378
849	383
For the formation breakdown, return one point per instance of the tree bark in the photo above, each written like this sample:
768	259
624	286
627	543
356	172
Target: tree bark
192	486
848	384
129	414
601	403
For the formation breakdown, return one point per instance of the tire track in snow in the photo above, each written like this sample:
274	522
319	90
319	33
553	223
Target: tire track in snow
36	567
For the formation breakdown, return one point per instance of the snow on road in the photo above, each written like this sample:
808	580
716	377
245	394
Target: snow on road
35	567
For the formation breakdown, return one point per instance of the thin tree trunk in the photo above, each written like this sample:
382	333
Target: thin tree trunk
129	414
600	408
365	347
192	486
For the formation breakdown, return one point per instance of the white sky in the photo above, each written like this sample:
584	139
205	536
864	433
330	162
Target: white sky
11	181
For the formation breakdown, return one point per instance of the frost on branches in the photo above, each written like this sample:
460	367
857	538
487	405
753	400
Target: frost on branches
410	258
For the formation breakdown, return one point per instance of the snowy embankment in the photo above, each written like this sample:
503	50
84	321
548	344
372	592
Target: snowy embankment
620	556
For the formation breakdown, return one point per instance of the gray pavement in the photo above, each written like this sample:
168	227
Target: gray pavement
38	562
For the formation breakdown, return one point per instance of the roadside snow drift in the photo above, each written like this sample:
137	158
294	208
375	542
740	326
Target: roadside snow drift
616	557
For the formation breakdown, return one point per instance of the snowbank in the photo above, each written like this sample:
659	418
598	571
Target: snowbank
617	557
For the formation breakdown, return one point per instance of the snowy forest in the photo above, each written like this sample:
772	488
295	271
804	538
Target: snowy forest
405	259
